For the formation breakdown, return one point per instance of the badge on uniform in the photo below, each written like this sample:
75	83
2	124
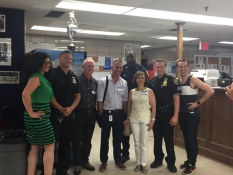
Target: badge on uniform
93	91
144	92
73	80
164	82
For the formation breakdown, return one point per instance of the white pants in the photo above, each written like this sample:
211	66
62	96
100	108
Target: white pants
140	135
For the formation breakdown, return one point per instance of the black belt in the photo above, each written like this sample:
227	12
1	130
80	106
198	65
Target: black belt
89	111
115	110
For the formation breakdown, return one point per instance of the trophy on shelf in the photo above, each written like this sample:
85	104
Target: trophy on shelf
71	30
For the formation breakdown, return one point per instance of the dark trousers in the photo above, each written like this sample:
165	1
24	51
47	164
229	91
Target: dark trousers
63	134
126	146
189	126
117	130
83	132
162	129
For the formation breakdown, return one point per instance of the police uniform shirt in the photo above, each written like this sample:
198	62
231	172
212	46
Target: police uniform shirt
88	90
116	93
64	86
164	88
129	72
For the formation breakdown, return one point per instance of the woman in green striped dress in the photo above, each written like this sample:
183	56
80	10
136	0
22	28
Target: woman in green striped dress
37	96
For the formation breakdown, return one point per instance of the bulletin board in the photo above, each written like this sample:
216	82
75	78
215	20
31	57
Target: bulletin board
102	66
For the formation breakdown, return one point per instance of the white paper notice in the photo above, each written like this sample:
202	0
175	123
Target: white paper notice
96	66
101	61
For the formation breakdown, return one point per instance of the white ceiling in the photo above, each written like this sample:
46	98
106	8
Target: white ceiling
136	28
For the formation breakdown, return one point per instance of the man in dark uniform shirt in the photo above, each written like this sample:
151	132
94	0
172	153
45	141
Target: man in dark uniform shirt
167	93
85	117
129	70
67	97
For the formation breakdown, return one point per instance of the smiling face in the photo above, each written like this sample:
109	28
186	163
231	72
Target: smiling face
117	69
46	66
89	67
65	60
182	68
160	68
140	80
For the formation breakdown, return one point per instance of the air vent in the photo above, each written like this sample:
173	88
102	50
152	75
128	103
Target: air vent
54	14
174	30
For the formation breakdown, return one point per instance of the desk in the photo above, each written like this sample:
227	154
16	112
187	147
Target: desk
215	133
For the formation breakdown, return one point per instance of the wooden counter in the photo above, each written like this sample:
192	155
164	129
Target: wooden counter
215	133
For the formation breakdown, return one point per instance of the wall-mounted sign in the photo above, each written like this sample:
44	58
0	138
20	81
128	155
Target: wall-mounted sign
2	23
9	77
5	52
203	46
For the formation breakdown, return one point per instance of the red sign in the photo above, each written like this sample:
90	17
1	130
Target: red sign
203	46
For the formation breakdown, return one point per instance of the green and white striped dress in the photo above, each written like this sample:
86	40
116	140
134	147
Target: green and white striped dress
40	131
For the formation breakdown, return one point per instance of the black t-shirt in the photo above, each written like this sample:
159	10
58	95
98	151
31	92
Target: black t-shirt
64	86
164	88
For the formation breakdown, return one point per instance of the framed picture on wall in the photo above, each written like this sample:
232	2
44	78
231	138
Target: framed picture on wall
9	77
2	23
5	52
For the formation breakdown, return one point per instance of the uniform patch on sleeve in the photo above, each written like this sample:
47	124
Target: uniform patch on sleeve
175	81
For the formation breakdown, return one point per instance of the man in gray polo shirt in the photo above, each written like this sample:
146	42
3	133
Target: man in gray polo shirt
113	113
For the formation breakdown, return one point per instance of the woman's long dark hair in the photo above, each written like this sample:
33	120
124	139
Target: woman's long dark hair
34	64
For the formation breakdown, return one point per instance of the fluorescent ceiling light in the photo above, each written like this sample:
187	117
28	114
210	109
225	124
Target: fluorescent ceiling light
175	38
94	7
55	29
225	42
144	46
180	16
65	41
101	32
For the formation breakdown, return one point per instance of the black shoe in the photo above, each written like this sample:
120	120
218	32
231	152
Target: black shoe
124	159
155	164
172	168
189	170
89	167
184	165
77	169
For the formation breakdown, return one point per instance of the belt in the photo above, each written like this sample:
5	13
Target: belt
115	110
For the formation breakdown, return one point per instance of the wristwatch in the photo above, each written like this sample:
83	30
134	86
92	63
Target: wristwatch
153	119
198	102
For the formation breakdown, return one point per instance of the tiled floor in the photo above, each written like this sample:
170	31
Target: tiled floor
204	165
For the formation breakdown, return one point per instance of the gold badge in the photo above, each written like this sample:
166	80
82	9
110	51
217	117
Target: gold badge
164	82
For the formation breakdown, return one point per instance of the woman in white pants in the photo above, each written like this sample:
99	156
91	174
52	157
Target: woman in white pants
141	114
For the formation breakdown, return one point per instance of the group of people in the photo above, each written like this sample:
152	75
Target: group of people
125	97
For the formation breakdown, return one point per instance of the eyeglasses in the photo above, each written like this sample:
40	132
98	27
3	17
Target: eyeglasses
48	62
66	51
181	60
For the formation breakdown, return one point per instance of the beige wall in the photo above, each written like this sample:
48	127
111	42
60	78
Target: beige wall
94	47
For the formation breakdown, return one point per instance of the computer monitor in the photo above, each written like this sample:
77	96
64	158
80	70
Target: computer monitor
222	82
